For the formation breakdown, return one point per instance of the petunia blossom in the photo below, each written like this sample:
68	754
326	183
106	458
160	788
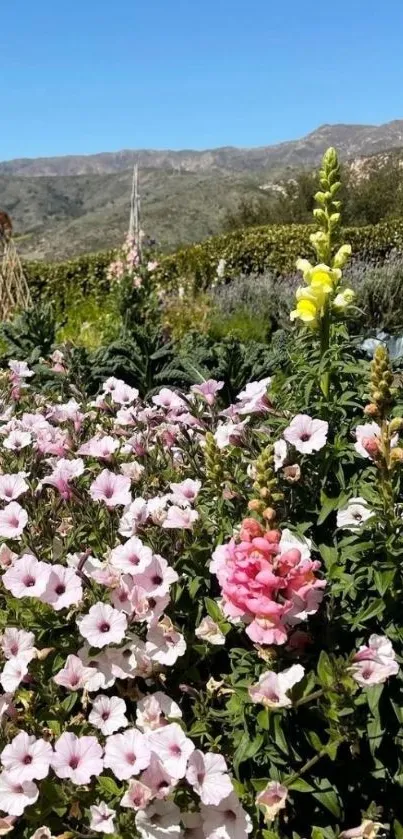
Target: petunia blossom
103	625
354	514
209	631
64	588
17	643
181	518
272	688
28	577
127	754
208	390
160	820
108	714
111	489
133	557
307	435
375	662
26	757
155	710
15	795
227	820
12	486
77	758
75	675
137	796
208	775
172	748
13	520
102	818
272	799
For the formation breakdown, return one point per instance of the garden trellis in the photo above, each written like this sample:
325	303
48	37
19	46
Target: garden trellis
14	290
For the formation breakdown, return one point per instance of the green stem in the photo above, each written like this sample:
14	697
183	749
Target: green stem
310	698
324	346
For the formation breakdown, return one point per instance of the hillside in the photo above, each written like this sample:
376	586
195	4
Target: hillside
66	205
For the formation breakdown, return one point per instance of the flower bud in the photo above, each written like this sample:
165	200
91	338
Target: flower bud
396	456
371	445
371	410
269	514
396	425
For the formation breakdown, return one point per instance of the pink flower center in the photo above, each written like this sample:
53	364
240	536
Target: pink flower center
104	627
305	437
156	580
105	715
108	492
175	750
29	581
60	589
14	649
13	521
131	758
74	761
27	760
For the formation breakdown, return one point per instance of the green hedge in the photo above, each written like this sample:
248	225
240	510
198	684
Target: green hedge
251	250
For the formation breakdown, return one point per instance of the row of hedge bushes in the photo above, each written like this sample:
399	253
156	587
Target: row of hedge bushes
251	250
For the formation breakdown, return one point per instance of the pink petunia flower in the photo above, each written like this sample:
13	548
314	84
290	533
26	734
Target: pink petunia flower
64	472
178	517
100	447
14	671
103	625
254	399
375	662
186	491
164	643
208	775
154	711
157	779
16	796
160	819
77	758
208	390
172	748
119	391
137	796
133	518
64	588
127	754
27	577
13	520
169	400
133	557
157	577
210	632
307	435
74	675
113	490
20	369
17	440
272	799
102	818
12	486
230	433
280	454
17	643
27	758
227	819
272	688
108	714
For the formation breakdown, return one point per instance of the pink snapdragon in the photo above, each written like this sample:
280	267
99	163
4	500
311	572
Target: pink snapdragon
77	758
111	489
307	435
13	520
267	587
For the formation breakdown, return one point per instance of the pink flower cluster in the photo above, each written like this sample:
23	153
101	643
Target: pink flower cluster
268	581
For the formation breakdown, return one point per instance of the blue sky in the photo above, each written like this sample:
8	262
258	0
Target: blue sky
80	76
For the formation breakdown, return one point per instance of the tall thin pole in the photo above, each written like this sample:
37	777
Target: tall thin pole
134	225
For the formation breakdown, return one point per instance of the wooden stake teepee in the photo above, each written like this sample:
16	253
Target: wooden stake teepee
14	291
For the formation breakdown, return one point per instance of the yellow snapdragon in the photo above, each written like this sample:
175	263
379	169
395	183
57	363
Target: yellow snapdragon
310	303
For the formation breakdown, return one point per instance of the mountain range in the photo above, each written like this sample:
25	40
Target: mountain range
63	206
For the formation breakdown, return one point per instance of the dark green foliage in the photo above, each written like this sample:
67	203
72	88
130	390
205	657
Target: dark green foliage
31	335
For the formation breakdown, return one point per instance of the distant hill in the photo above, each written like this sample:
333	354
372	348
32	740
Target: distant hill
62	206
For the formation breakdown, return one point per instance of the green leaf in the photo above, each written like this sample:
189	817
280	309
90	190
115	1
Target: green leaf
383	579
374	694
69	702
373	610
247	748
301	786
330	800
328	506
329	555
325	670
108	786
398	829
213	610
